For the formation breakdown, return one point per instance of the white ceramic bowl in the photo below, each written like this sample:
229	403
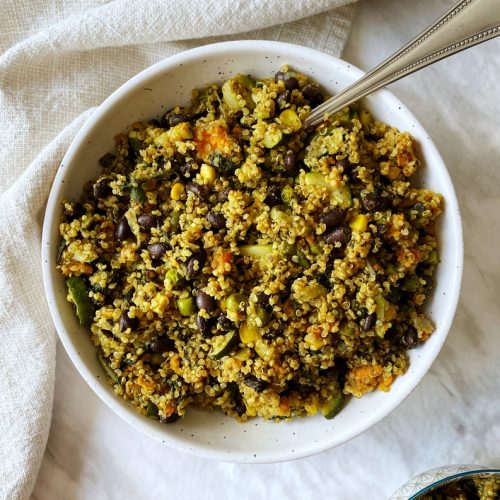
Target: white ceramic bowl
148	95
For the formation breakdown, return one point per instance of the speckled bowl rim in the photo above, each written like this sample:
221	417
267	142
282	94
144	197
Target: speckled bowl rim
98	385
454	477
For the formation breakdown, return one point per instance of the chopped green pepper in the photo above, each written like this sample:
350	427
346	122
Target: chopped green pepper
79	294
152	410
138	194
110	373
186	306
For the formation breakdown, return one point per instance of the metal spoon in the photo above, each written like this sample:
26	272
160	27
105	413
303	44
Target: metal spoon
466	24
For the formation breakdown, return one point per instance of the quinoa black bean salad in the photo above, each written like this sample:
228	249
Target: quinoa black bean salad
228	258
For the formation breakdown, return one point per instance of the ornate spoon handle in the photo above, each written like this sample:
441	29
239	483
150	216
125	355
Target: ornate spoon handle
466	24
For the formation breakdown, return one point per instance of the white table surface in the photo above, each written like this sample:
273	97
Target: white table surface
454	414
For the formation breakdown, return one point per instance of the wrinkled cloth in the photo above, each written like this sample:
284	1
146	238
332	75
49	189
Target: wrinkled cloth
58	61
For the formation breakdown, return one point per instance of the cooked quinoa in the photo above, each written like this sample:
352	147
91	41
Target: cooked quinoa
228	258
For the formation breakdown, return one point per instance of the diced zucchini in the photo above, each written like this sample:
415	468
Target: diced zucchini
411	283
380	303
340	196
331	407
110	373
79	294
316	179
256	250
186	306
272	136
237	93
173	276
222	345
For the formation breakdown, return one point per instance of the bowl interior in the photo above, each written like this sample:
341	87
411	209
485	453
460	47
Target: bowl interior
148	95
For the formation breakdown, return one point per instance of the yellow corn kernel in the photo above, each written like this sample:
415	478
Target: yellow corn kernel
242	354
176	191
208	173
359	223
159	303
290	119
249	333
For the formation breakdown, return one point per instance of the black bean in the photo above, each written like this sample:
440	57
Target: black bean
342	367
291	163
126	322
197	189
106	160
333	218
376	202
410	338
332	372
345	164
273	197
255	383
170	420
174	117
294	386
123	230
340	235
205	301
157	250
282	99
156	360
160	345
154	122
312	93
263	299
290	81
204	325
195	264
225	324
102	189
368	321
217	220
147	221
188	169
76	211
223	195
239	405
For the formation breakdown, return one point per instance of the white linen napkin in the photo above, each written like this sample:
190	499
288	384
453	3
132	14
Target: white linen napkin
58	61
